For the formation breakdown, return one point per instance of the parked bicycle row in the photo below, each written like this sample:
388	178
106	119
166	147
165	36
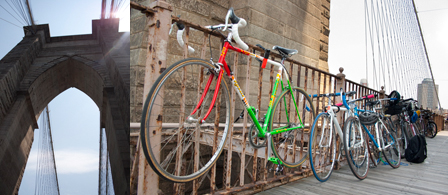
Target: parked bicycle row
187	114
385	130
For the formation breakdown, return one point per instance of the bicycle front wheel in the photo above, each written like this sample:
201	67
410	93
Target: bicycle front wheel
291	110
178	145
355	146
322	150
431	130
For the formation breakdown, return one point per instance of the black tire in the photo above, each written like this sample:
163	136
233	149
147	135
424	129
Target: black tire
401	137
356	149
391	152
322	154
280	119
161	110
407	131
375	154
431	129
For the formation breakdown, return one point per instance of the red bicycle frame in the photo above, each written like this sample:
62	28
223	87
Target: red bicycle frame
222	62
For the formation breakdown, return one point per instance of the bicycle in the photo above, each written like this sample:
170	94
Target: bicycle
182	145
322	142
355	140
427	126
375	154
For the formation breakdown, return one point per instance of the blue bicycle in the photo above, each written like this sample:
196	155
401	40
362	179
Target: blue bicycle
356	140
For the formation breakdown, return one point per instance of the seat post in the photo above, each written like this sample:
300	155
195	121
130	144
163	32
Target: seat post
283	59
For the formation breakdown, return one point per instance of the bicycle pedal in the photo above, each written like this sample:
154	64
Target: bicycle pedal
275	160
278	170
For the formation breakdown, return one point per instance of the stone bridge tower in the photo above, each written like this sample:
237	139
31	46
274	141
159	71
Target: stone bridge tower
39	68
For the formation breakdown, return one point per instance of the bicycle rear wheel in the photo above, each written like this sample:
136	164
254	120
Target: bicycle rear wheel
391	150
177	145
431	129
322	150
355	146
289	147
408	131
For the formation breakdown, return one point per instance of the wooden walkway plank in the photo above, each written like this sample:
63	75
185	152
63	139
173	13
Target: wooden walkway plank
429	177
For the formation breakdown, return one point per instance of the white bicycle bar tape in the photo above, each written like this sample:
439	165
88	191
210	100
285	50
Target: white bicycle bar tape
180	34
236	36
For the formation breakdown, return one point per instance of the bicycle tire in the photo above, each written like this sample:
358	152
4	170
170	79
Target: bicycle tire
401	136
160	110
322	154
285	119
357	158
408	131
375	155
431	129
391	153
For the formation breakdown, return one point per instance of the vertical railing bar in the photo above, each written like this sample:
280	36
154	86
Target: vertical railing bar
295	119
215	138
334	88
318	91
298	75
325	87
230	146
196	182
313	84
178	187
304	117
244	133
255	155
271	84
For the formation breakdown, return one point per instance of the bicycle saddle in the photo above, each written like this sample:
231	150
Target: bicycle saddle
285	51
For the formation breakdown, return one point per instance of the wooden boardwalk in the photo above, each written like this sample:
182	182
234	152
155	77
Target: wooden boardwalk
429	177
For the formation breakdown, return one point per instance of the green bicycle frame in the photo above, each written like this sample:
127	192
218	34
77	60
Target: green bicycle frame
263	130
250	109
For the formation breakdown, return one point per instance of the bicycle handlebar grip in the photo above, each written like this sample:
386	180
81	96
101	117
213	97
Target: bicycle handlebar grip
369	96
393	98
236	35
180	40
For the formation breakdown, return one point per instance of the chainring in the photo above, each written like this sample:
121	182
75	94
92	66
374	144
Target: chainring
254	140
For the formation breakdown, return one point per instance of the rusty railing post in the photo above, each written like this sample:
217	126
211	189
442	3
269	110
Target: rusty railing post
158	37
382	93
340	83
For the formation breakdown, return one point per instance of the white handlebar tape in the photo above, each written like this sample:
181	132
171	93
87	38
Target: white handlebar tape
236	36
180	40
242	22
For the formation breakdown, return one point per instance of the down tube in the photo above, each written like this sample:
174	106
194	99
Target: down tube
246	103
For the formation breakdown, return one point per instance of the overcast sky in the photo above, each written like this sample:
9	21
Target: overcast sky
74	116
347	40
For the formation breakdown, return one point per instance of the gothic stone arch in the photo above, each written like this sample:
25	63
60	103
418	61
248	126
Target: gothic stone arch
39	68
